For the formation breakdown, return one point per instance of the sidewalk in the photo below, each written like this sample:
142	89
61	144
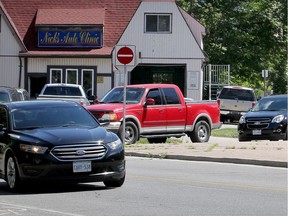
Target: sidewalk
218	149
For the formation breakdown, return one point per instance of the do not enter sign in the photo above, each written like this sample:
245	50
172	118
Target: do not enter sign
125	55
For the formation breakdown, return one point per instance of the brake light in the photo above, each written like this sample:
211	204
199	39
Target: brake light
253	104
218	101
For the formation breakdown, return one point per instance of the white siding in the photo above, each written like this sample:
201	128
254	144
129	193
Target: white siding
103	88
9	61
179	47
179	44
39	65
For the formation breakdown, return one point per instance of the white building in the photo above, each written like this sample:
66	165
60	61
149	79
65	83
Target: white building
45	44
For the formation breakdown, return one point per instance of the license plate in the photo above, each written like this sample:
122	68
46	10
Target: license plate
256	132
82	166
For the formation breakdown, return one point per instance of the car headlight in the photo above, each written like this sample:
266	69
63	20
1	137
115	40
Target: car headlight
116	144
242	120
278	119
111	117
33	148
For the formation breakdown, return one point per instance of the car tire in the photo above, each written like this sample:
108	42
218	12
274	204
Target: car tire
131	133
201	132
114	182
12	174
157	140
241	139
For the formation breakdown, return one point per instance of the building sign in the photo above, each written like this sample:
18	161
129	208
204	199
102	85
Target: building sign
80	38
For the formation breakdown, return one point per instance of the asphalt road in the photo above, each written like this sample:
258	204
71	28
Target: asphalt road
161	187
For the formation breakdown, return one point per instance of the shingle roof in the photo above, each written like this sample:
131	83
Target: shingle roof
70	16
118	13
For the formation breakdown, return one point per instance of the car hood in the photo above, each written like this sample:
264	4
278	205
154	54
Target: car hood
110	106
67	135
266	114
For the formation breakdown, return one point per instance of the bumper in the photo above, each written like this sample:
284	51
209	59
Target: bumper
46	167
64	172
113	127
272	133
231	114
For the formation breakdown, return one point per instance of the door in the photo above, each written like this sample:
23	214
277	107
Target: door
154	116
176	112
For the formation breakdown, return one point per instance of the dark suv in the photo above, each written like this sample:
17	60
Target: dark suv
8	94
267	120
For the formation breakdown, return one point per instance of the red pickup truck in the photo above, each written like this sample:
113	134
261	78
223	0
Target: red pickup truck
157	112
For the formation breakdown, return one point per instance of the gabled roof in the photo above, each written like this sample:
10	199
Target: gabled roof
117	15
12	26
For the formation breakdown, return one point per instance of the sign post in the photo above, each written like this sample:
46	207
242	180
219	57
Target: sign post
265	75
125	56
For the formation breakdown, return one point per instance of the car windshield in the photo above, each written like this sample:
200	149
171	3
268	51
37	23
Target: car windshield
60	116
271	104
133	95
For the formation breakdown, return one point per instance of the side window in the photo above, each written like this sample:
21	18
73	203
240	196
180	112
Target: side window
3	117
171	96
158	23
155	94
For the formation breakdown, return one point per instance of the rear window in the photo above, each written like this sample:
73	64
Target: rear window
60	90
237	94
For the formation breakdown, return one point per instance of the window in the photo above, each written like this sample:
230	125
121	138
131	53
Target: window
55	76
72	76
88	81
160	23
3	117
155	94
171	96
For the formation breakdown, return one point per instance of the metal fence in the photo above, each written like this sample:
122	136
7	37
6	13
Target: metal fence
215	77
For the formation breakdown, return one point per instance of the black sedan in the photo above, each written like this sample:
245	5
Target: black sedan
267	120
57	140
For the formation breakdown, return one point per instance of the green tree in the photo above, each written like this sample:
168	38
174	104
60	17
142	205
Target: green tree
250	35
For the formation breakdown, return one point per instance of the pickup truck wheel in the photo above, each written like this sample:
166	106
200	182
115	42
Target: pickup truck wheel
157	140
131	133
201	132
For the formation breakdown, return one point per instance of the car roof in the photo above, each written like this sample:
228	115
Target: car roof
7	89
37	103
276	96
238	87
63	84
152	85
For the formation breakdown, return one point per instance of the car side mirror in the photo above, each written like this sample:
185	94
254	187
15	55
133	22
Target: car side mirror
149	101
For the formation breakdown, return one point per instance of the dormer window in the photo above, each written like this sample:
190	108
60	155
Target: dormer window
158	23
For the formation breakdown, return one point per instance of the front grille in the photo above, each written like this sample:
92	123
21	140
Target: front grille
258	123
77	152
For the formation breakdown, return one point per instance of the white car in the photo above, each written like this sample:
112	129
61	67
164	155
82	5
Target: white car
62	91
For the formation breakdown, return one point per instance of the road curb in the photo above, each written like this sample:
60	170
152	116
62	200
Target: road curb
212	159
